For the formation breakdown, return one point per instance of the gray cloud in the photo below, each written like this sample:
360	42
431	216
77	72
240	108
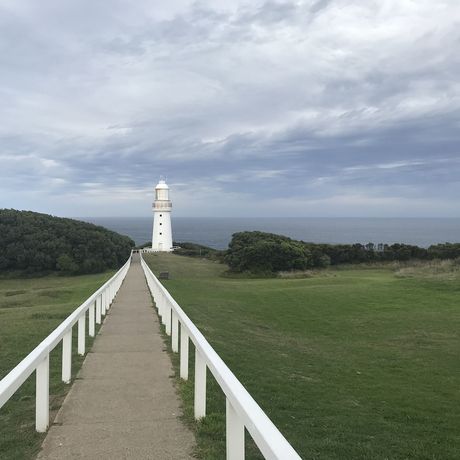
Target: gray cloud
332	106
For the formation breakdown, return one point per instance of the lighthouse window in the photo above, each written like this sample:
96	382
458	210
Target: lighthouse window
161	215
161	223
161	233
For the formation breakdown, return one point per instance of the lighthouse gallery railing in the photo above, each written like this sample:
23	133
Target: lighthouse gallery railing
241	409
38	359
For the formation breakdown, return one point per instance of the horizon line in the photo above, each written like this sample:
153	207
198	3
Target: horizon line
269	217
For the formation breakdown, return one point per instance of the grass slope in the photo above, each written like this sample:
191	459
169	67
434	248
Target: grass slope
29	310
349	364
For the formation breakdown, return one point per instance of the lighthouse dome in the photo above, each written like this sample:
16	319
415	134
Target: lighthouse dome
162	185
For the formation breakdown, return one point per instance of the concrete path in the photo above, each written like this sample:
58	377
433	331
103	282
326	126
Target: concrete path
123	404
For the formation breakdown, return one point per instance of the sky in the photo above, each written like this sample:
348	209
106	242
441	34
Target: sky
248	108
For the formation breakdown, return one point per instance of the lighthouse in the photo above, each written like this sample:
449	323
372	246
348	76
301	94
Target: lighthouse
162	232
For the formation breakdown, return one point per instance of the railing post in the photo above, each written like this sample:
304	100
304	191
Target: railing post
67	357
91	325
235	434
162	308
42	395
110	299
157	303
174	332
168	319
103	303
107	298
98	309
82	334
183	353
200	385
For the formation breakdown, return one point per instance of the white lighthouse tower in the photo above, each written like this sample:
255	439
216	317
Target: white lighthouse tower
162	232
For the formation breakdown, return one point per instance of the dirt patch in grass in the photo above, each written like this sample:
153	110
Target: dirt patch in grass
45	315
13	293
14	304
53	293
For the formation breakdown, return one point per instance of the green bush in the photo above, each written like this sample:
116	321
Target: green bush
31	242
196	250
266	252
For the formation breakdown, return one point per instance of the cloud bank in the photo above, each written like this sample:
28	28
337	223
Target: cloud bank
321	108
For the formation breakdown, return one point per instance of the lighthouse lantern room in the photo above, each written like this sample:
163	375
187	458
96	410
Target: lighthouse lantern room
162	232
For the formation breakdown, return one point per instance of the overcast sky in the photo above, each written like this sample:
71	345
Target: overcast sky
249	108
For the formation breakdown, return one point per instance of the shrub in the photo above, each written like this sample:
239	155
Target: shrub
32	242
259	252
266	252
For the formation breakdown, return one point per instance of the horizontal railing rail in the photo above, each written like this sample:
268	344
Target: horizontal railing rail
38	359
242	411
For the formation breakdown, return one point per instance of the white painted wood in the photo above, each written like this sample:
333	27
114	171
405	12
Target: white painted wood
109	298
98	310
162	304
183	353
82	334
42	395
200	385
156	298
174	332
111	295
67	357
91	320
168	318
234	434
103	302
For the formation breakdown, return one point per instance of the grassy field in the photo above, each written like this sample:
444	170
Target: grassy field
349	364
29	310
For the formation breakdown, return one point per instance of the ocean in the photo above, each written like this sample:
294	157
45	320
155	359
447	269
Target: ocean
217	232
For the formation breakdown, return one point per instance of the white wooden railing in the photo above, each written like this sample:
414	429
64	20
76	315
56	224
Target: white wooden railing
241	409
38	359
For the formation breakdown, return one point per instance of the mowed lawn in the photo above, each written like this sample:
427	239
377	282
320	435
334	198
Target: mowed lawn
349	364
29	310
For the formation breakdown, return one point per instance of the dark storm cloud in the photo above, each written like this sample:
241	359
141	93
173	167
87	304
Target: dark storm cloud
313	107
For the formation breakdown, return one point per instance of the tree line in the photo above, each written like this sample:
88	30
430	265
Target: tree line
31	242
267	252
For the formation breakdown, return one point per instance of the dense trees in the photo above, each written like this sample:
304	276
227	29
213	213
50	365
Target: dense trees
33	242
445	251
266	252
359	253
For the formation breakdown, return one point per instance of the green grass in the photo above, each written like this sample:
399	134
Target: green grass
29	310
348	364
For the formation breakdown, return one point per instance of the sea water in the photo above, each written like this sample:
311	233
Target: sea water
217	232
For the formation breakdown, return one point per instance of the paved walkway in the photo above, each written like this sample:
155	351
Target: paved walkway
123	404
